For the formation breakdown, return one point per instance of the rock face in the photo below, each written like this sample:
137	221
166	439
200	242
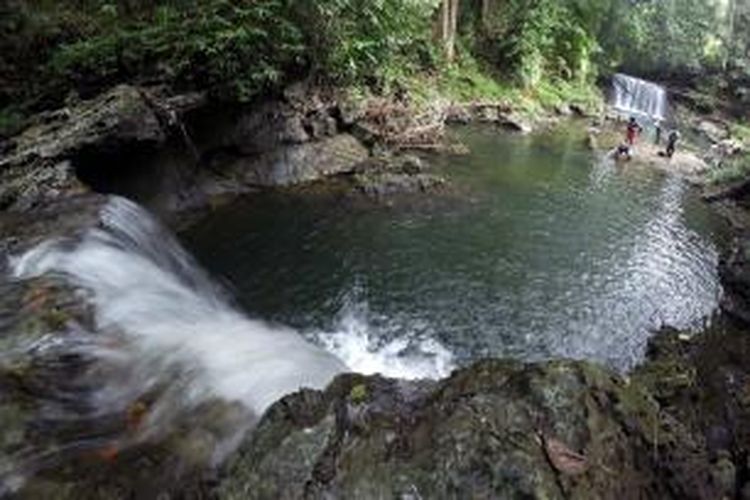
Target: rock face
299	163
37	165
734	269
704	382
495	430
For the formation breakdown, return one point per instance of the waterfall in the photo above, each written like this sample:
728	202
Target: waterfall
168	344
167	334
145	286
633	96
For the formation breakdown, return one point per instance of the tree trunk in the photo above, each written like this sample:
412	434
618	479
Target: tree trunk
485	14
450	28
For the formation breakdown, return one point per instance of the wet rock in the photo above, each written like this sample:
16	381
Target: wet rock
498	429
387	175
54	218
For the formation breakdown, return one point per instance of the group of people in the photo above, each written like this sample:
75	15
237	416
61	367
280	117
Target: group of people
634	130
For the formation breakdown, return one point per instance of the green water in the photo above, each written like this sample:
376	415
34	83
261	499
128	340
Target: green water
539	249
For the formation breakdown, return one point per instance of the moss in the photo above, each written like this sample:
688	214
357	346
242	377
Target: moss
358	394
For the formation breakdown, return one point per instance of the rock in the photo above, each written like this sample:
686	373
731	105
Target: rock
485	112
562	110
498	429
713	131
300	163
53	218
456	114
734	270
267	128
383	184
119	118
578	110
515	123
38	164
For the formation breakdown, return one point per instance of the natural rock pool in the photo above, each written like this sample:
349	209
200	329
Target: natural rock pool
539	249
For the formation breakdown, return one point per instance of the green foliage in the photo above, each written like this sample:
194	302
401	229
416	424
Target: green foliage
536	40
235	48
664	35
732	170
362	40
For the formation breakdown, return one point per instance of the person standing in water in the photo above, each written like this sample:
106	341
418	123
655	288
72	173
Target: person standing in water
672	139
632	131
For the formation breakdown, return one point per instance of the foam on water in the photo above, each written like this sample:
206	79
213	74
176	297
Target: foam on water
362	347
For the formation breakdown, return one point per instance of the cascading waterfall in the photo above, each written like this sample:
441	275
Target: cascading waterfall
166	334
144	285
633	96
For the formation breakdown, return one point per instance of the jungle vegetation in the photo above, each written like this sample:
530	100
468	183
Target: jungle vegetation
241	49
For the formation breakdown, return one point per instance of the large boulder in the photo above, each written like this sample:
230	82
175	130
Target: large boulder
299	163
498	429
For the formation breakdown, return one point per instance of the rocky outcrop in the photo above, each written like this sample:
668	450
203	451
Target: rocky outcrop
498	429
299	163
734	270
501	114
703	381
38	164
383	177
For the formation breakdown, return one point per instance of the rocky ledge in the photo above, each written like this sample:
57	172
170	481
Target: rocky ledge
498	429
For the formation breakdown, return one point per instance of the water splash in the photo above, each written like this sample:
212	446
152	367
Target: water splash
369	350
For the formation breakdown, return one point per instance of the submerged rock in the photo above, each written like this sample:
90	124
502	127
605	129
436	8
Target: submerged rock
498	429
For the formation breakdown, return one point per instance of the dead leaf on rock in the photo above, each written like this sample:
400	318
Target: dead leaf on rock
563	458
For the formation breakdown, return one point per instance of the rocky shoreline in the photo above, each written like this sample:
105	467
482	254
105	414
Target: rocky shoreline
675	427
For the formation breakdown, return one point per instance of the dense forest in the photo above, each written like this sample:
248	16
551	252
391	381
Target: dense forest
238	49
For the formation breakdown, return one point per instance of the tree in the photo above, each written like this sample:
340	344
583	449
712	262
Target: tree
449	27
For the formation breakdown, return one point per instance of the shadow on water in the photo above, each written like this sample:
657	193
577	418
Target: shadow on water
551	252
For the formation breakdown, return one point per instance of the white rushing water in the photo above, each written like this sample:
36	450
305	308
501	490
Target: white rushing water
633	96
146	287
